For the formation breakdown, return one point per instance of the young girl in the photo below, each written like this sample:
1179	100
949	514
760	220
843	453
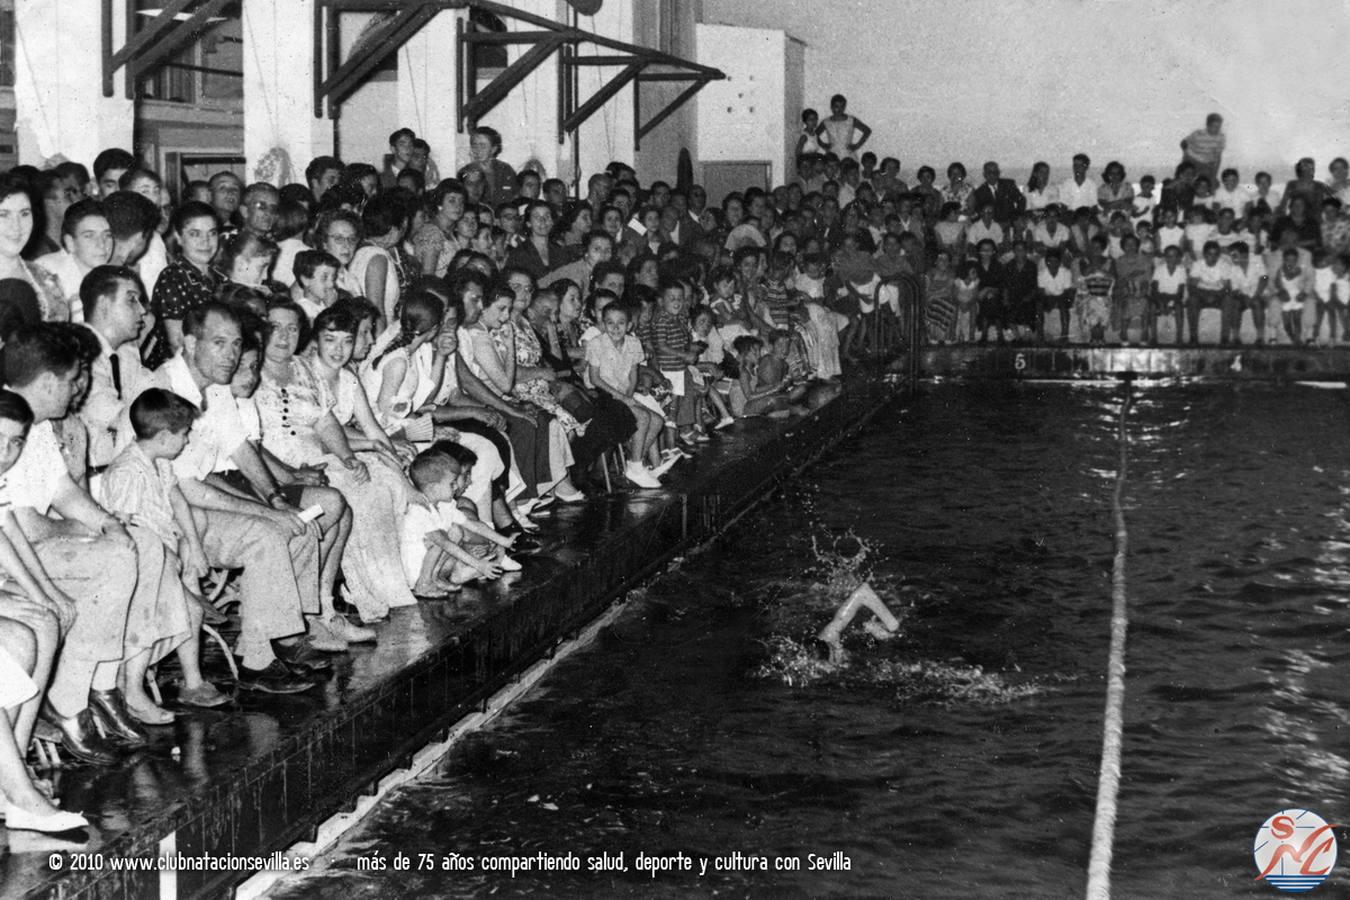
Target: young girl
612	361
1332	289
940	300
712	351
967	289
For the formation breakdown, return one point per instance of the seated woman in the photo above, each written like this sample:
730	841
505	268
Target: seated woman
299	427
338	233
404	379
246	259
487	346
187	283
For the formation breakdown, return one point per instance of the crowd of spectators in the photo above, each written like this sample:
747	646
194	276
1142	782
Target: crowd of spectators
360	391
344	396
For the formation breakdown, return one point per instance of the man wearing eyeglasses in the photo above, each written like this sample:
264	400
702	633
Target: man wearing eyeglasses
261	202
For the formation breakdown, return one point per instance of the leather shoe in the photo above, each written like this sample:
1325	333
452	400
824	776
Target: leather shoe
114	719
275	679
79	737
301	658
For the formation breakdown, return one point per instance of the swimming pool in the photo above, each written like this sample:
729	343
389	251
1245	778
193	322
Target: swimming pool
961	759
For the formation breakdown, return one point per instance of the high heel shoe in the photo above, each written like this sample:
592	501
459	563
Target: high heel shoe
17	819
79	736
114	719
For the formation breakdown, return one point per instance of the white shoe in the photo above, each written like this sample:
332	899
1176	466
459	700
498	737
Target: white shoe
52	823
508	564
570	497
726	422
344	630
658	471
640	476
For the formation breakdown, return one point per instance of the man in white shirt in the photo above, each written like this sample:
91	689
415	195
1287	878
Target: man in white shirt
88	553
278	552
1232	195
1079	190
115	310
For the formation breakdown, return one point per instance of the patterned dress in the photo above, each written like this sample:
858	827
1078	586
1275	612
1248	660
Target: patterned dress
372	563
535	391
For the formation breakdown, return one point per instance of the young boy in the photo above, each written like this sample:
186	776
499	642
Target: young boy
445	546
1292	286
1332	288
673	353
776	287
315	281
140	486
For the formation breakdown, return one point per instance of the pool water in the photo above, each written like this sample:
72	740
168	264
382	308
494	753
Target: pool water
960	759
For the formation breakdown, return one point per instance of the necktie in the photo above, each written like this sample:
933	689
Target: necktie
116	364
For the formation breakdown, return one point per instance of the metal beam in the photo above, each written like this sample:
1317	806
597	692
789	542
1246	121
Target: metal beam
505	37
684	95
137	43
670	76
182	33
486	100
352	74
602	96
615	60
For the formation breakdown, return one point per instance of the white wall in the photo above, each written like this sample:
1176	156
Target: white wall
742	117
1022	80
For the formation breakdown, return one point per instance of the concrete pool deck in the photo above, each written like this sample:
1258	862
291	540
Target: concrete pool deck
259	776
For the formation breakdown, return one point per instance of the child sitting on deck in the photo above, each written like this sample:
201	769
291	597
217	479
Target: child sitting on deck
750	395
140	486
445	546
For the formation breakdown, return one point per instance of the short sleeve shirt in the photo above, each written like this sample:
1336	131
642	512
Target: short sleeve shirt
181	288
614	363
34	479
1211	278
1246	281
1324	280
1169	282
217	434
673	333
1059	283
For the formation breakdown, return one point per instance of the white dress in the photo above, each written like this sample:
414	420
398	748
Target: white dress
372	562
361	261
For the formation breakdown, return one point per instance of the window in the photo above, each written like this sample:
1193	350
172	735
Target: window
208	71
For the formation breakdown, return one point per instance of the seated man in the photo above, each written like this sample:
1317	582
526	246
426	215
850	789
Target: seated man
279	553
115	311
87	553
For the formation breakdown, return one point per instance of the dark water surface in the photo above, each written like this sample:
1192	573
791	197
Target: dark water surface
959	760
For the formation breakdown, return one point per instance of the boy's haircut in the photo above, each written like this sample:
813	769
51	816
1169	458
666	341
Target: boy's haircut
130	214
744	343
196	317
402	132
36	350
418	179
1211	245
809	113
462	455
101	284
156	411
16	409
1226	172
926	170
868	154
838	98
1086	160
307	262
432	466
112	158
1148	178
73	170
78	212
1239	247
320	164
613	304
292	220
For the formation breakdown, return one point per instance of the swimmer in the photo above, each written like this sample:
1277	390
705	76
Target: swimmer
883	626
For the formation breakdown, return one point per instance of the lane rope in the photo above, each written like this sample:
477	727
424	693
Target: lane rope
1108	782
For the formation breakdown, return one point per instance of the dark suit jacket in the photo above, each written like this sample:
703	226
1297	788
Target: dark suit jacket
1007	200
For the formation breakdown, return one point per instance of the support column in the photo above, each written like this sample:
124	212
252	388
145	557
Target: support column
427	74
58	90
607	135
281	132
